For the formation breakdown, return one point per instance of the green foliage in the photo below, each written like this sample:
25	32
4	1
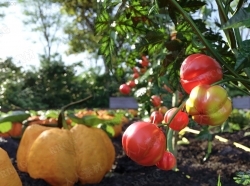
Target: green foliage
239	19
242	178
53	85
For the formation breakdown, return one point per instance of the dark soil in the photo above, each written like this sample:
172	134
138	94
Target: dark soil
225	160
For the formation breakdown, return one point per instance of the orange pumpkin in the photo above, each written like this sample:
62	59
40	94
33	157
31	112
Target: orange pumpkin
62	157
8	174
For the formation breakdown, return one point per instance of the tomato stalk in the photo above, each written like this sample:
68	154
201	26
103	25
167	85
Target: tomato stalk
61	118
205	42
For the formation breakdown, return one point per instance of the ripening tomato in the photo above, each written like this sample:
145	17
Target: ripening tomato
167	162
135	70
156	100
209	105
131	83
163	109
136	75
180	120
144	61
124	89
144	143
199	69
156	117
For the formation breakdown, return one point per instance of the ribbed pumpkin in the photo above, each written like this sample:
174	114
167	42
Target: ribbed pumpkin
64	157
8	174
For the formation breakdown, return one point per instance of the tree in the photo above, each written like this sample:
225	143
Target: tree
45	17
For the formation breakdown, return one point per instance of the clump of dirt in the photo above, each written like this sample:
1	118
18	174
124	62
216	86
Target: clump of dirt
225	160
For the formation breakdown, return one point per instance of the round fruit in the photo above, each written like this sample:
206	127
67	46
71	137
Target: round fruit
167	162
136	75
124	89
144	62
199	69
131	83
163	109
144	143
156	100
156	117
180	120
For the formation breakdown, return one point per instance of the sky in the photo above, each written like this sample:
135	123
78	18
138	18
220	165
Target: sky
17	41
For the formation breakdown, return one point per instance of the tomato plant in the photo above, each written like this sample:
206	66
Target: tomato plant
209	105
179	120
199	69
156	117
167	162
144	143
124	89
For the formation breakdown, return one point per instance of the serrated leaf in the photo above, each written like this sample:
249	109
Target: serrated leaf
5	127
204	134
243	56
241	18
102	23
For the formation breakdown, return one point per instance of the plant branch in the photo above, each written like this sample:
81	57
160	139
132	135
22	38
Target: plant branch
205	42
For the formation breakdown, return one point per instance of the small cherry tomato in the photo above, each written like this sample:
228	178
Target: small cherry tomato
124	89
131	83
156	100
167	162
136	75
156	117
180	120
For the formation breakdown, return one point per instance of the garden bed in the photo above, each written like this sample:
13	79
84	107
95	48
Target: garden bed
225	160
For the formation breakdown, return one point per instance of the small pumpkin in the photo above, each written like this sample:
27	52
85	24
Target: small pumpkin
63	157
8	174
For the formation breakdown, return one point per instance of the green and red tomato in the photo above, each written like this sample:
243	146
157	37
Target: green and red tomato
209	105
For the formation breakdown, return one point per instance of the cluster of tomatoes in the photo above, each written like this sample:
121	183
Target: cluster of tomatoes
208	104
125	88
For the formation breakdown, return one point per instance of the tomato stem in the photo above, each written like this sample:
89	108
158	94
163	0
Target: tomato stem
61	118
205	42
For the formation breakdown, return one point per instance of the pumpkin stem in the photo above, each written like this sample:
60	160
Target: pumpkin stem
61	117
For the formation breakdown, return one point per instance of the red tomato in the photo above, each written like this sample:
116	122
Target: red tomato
167	162
180	120
124	89
144	62
144	143
156	117
136	75
156	100
135	70
131	83
199	69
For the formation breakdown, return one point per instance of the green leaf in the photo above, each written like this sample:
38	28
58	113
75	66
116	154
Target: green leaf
102	23
89	120
14	116
241	18
243	56
107	128
5	127
51	114
205	134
